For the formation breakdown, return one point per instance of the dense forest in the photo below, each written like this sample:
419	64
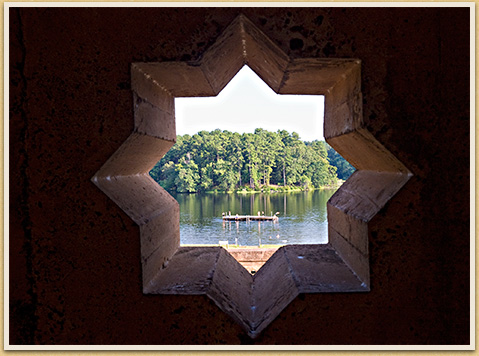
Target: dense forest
227	161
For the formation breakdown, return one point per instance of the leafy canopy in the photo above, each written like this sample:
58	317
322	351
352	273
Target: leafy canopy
227	160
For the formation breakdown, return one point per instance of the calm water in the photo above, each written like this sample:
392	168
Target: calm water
302	218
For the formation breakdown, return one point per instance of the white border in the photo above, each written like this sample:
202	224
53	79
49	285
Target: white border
7	345
296	348
6	169
238	4
472	178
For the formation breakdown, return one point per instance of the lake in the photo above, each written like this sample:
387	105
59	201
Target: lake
302	218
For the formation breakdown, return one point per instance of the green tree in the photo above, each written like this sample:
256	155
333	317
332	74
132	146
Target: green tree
187	177
252	159
235	155
206	178
226	160
168	176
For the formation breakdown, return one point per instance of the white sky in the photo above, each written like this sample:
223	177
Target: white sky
247	103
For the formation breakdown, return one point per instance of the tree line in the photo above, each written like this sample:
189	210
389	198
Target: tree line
226	161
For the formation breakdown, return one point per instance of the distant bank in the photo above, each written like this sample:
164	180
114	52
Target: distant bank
262	161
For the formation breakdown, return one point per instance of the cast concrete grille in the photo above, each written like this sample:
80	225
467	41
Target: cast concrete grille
254	301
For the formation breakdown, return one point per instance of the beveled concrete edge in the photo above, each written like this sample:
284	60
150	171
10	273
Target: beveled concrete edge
177	281
348	104
231	289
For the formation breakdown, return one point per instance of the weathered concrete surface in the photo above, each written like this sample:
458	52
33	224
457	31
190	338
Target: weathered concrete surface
150	90
274	288
152	121
225	57
242	43
363	151
315	76
159	240
200	262
139	195
75	255
320	269
263	56
180	79
231	289
136	156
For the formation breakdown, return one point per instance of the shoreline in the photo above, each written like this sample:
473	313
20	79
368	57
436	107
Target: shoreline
265	246
270	189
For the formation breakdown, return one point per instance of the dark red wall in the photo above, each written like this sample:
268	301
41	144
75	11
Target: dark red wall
75	273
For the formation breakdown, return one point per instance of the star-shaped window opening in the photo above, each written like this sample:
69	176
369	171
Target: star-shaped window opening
254	302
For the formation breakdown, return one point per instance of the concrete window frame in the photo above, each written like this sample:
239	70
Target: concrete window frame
254	301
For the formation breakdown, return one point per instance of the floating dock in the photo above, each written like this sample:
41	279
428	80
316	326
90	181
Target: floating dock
249	218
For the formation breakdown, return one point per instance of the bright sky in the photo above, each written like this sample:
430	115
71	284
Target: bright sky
247	103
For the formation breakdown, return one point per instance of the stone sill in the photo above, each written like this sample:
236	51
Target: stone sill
251	258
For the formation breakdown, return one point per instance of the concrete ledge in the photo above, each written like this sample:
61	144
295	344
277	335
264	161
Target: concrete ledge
252	259
364	152
151	90
231	289
139	196
179	78
317	76
190	271
262	55
320	269
348	116
137	155
152	121
225	57
351	256
366	192
160	239
274	288
350	227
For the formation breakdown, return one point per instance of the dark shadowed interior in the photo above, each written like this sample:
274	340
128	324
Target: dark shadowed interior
75	259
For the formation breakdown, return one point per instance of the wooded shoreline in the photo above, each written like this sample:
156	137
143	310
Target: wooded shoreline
262	161
268	190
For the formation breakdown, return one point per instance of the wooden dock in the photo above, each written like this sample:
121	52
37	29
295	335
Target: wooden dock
249	218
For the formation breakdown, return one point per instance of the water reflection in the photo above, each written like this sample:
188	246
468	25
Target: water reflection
302	218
